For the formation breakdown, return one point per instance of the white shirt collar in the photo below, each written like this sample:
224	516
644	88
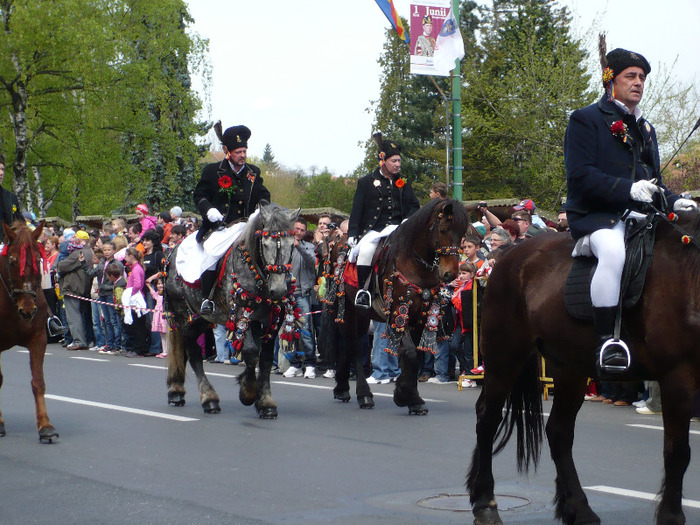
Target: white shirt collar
637	112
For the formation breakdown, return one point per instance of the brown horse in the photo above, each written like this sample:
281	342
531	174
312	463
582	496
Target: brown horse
525	295
23	311
413	262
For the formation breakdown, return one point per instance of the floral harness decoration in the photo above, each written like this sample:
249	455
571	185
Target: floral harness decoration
243	302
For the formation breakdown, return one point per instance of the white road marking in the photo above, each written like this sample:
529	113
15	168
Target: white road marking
656	427
321	387
118	408
149	366
90	359
637	494
27	351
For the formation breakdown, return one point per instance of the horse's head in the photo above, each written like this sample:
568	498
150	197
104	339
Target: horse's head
22	259
275	239
450	224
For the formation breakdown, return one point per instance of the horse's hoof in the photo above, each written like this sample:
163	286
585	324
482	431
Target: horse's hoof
418	410
176	399
487	516
211	407
246	400
342	396
366	402
47	434
267	413
2	430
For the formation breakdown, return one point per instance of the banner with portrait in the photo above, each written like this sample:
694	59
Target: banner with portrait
425	21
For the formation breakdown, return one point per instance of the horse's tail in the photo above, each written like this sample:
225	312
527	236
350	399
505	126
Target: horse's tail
524	413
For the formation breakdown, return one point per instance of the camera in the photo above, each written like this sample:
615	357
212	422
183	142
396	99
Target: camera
482	204
332	226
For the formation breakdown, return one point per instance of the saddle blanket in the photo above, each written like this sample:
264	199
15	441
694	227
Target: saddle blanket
194	258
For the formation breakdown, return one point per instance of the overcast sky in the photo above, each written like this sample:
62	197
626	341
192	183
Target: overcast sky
302	73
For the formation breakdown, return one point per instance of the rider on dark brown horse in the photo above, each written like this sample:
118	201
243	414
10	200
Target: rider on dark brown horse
382	200
228	190
612	165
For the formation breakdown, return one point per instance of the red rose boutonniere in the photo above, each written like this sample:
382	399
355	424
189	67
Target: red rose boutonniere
619	129
400	183
226	185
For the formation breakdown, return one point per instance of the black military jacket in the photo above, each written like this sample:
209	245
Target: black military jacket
236	201
379	202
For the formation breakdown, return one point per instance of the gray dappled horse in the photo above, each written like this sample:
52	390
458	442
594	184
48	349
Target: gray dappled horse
253	298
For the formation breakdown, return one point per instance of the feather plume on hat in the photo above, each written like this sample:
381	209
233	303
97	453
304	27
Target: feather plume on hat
377	136
218	131
602	51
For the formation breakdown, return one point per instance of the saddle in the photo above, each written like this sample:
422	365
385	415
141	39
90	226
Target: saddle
640	236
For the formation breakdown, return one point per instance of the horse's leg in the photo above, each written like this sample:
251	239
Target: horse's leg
571	504
364	395
677	392
250	352
177	361
346	341
265	403
37	350
2	421
207	394
502	371
406	391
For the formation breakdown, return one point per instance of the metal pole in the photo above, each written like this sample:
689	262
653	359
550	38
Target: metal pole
457	168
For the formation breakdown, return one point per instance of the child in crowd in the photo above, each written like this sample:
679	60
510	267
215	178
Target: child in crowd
159	326
461	340
115	274
97	326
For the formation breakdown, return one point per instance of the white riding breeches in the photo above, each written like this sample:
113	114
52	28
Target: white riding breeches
608	246
363	252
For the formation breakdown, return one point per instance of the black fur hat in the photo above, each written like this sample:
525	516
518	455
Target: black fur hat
387	148
234	137
618	60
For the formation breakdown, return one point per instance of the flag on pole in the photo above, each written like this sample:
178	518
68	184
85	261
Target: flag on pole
387	7
449	46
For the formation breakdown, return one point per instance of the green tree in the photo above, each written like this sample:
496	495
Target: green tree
325	190
101	110
521	85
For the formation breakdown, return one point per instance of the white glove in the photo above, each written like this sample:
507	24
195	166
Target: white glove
643	191
352	241
214	215
685	205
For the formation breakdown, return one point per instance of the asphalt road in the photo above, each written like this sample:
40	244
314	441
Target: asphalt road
125	457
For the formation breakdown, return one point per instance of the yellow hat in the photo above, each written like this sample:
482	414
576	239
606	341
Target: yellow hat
82	234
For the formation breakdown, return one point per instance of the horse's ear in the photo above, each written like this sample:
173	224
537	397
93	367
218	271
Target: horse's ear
264	208
38	230
9	232
294	214
448	209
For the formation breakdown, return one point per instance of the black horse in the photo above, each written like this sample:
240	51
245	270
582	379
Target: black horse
253	299
525	295
413	262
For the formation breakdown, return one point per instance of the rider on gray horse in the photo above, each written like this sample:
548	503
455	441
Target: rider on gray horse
228	191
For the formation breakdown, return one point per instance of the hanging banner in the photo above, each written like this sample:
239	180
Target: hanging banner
425	22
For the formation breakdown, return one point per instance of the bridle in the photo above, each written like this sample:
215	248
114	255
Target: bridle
10	288
438	251
279	267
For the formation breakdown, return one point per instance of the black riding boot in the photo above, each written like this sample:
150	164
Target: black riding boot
612	356
363	299
207	281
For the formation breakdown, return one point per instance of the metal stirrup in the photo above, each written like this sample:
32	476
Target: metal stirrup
614	368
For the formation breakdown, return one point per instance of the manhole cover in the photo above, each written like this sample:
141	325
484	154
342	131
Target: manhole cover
460	502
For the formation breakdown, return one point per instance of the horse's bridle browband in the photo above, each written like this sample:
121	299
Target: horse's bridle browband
266	268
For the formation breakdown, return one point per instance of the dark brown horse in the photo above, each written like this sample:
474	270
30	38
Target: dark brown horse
23	312
413	262
525	295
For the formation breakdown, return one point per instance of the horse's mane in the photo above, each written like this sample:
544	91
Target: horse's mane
689	222
24	233
401	241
